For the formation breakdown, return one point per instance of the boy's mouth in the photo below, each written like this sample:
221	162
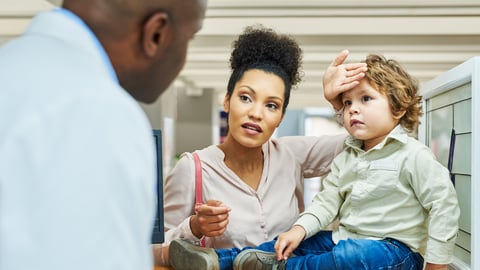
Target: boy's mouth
355	122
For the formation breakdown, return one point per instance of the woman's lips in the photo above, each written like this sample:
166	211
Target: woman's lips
251	126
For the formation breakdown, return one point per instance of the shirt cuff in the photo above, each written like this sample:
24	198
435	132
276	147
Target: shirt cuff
439	252
309	223
187	234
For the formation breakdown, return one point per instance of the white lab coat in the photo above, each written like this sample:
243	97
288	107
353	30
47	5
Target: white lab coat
77	165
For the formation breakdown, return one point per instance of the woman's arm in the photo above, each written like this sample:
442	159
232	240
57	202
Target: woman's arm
179	199
181	219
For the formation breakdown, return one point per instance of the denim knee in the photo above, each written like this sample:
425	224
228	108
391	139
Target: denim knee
375	254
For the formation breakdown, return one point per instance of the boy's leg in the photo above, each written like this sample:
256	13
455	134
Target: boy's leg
185	256
227	256
318	244
361	254
265	258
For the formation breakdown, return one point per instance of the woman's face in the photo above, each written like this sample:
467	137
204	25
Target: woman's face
255	107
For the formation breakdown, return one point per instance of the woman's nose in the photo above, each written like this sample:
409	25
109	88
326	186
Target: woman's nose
255	111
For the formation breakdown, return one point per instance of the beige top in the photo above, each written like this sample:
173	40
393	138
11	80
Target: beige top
256	215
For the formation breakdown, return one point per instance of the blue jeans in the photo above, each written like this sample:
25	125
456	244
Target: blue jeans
320	252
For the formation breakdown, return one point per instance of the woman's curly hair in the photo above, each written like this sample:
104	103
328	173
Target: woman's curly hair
401	89
262	48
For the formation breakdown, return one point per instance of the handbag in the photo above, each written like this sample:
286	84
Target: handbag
198	188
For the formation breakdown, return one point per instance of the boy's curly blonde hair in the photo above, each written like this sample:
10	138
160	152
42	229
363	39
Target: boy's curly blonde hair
390	78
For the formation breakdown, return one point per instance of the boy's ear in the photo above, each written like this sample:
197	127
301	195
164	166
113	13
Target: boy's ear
399	115
157	34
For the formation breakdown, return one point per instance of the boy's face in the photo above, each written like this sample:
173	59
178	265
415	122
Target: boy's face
367	115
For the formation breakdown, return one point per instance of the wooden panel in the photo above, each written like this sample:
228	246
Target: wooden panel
462	116
463	186
462	162
453	96
440	123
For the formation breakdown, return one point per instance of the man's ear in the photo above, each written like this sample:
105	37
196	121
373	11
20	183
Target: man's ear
156	34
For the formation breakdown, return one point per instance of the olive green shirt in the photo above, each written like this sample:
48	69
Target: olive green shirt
396	189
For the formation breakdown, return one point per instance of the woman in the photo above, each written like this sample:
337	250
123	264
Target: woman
252	184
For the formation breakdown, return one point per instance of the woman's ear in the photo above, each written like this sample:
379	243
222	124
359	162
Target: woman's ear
156	34
281	119
226	103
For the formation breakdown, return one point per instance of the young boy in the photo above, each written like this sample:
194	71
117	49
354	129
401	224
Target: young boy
396	205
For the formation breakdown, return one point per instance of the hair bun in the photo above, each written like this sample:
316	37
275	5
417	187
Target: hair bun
261	45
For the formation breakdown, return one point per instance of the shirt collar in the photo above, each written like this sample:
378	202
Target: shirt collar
398	134
98	45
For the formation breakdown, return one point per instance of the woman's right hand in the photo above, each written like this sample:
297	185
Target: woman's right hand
340	77
210	219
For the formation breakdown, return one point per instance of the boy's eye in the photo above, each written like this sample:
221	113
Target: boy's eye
346	103
366	98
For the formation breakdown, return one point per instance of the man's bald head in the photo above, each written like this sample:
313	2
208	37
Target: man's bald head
146	40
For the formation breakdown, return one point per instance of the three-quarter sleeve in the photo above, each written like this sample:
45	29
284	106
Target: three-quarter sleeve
179	200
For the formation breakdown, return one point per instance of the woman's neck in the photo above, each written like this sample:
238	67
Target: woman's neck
247	163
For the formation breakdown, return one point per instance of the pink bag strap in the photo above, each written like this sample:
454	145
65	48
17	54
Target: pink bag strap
198	180
198	187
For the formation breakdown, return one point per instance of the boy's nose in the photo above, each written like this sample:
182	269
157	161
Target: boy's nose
353	109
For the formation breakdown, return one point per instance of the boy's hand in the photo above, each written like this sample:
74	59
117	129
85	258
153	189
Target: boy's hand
287	242
211	219
340	77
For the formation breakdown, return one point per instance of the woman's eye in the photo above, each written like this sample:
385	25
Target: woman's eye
272	106
245	98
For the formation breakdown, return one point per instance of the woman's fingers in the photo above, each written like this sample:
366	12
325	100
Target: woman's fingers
212	218
356	67
214	228
340	58
212	208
